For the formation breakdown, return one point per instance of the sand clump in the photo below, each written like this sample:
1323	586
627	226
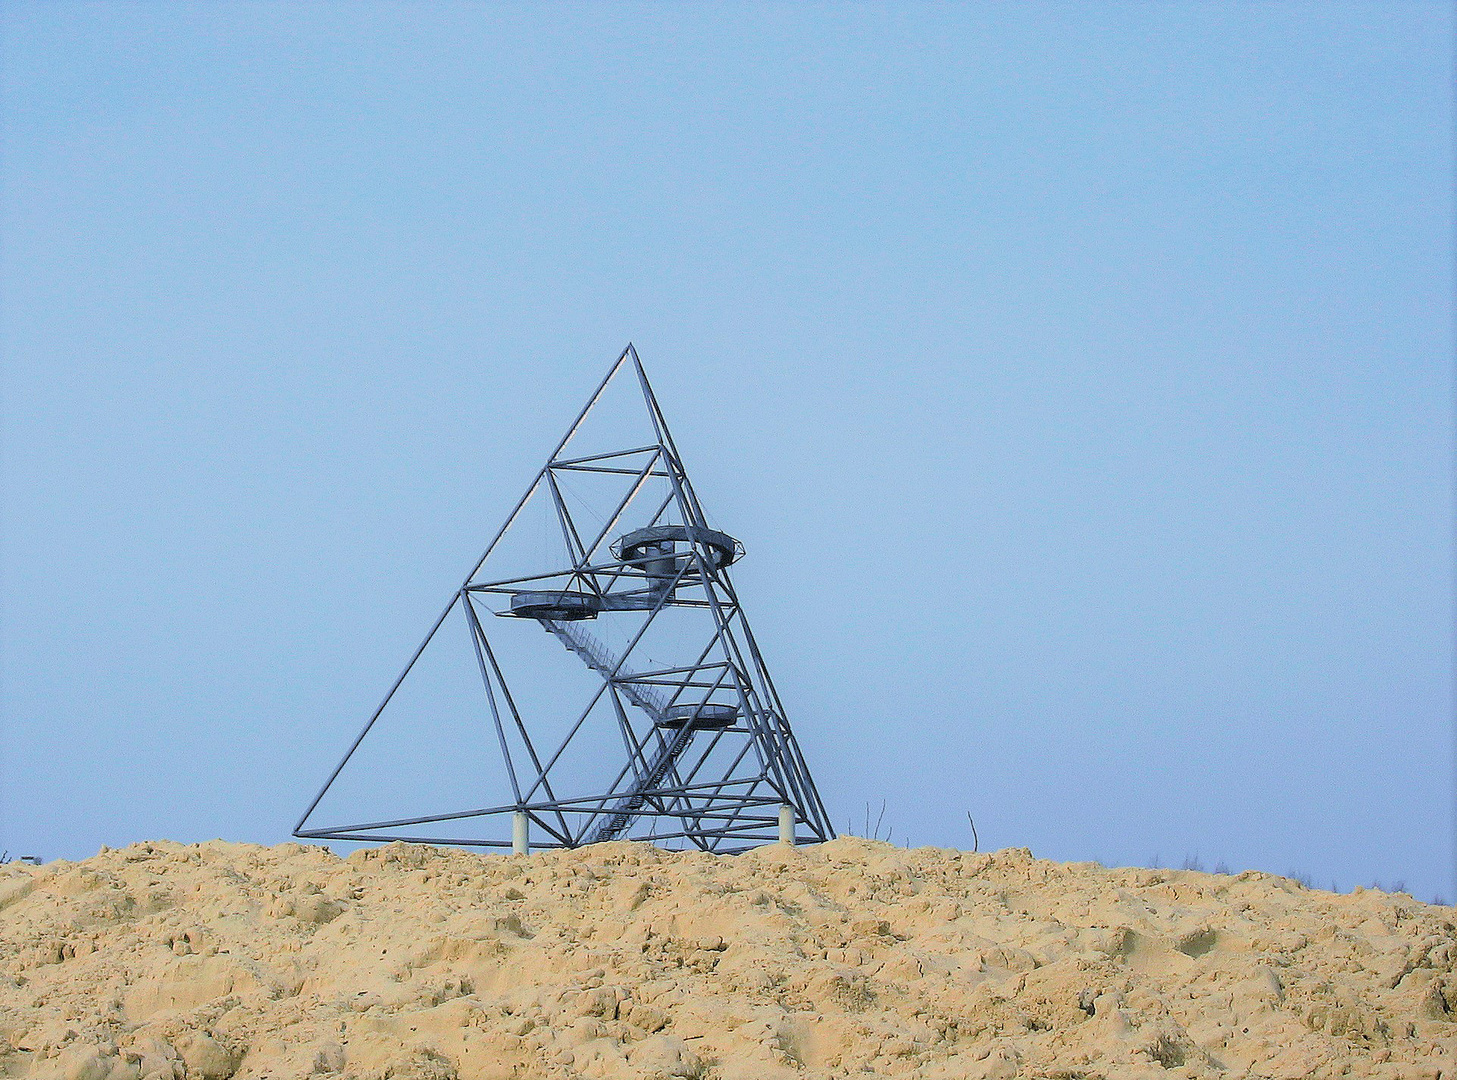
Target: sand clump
852	958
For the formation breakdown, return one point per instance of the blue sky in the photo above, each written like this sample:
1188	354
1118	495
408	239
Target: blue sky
1078	377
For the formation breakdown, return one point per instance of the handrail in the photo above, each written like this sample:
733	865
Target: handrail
599	658
627	806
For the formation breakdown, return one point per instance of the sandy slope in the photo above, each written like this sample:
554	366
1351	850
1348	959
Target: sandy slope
854	958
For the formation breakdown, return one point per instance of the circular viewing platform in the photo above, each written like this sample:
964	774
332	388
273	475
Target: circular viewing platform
562	605
646	547
708	716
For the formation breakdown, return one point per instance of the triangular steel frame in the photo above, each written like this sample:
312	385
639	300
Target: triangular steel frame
679	724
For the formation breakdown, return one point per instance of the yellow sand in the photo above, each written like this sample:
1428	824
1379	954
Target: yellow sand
849	959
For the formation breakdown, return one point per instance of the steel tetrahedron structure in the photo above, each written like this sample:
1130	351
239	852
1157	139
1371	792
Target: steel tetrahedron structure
614	670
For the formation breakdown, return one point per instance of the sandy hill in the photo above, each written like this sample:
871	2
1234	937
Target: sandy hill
849	959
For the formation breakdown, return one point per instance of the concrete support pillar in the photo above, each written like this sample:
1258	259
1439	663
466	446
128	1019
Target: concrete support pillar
520	838
786	824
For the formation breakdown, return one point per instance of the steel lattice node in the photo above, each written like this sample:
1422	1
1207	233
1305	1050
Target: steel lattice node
645	710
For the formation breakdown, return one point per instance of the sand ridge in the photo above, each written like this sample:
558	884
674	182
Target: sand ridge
851	958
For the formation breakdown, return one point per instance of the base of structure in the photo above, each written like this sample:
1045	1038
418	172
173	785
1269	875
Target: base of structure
520	838
786	824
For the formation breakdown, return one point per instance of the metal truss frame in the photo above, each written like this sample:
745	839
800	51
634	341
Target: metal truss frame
669	778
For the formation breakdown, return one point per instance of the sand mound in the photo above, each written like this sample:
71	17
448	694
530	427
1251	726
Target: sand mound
849	959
